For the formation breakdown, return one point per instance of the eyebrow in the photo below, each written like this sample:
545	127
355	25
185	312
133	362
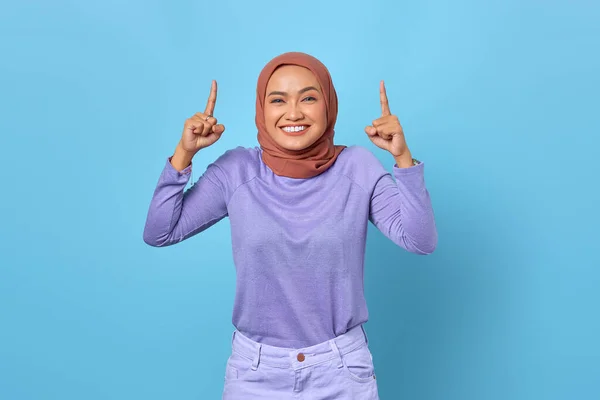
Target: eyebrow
306	89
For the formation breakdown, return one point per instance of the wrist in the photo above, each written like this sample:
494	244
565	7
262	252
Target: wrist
404	160
181	158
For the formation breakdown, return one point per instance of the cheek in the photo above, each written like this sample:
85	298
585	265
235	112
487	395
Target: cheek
271	117
321	114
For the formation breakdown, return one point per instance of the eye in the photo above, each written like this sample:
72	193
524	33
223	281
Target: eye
276	101
309	98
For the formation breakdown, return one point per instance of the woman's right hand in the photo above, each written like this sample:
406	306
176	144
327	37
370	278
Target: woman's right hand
202	130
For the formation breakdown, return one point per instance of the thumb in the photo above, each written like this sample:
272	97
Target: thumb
371	131
218	129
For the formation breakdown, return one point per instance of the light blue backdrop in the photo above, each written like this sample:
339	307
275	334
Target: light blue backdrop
500	100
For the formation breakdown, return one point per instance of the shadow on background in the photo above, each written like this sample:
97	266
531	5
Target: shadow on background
446	325
505	306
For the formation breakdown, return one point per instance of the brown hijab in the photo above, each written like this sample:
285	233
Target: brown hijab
321	155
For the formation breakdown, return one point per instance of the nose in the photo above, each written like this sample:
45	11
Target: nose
294	113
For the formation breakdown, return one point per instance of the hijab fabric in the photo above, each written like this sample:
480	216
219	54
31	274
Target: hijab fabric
321	155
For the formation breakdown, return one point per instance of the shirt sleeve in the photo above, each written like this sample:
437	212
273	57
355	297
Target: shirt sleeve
176	214
402	210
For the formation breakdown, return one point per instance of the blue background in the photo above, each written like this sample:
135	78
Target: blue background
499	99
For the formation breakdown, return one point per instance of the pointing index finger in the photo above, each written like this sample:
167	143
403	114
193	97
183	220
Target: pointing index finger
385	107
212	99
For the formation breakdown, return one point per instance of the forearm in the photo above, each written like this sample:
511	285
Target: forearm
402	210
416	220
165	207
175	215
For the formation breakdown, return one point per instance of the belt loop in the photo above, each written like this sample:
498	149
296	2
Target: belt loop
337	353
365	334
256	358
233	337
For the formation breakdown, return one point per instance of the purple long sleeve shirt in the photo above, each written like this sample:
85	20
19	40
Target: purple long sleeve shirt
298	244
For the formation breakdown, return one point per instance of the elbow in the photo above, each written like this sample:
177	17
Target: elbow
428	242
151	243
151	239
424	247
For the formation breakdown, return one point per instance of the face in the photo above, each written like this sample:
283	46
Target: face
295	110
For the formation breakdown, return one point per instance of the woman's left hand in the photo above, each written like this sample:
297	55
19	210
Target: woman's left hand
386	132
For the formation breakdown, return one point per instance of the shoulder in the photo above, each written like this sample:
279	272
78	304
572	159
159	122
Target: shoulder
360	165
358	155
238	157
237	166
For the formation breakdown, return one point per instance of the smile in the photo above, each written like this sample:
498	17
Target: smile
296	129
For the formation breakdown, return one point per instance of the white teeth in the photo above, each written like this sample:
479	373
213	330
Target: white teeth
294	128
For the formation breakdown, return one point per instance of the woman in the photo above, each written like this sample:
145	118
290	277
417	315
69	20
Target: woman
299	207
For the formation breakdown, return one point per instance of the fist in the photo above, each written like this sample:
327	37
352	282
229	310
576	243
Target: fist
201	130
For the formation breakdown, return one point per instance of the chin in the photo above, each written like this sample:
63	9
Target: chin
295	144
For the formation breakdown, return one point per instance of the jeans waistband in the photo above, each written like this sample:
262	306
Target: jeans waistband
299	358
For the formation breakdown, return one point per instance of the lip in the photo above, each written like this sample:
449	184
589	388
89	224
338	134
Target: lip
299	133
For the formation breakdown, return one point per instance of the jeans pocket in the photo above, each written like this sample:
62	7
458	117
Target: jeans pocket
237	366
359	364
230	372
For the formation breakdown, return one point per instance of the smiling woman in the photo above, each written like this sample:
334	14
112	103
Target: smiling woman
296	91
299	206
295	109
